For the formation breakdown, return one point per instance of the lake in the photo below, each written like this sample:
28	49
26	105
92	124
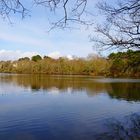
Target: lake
40	107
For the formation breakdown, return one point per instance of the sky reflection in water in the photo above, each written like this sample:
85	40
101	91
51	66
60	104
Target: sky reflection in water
75	108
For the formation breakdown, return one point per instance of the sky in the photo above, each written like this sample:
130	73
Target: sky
30	36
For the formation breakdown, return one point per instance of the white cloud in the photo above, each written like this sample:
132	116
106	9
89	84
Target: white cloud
55	55
70	57
14	55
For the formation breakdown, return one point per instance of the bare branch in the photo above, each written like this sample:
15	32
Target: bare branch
124	23
11	6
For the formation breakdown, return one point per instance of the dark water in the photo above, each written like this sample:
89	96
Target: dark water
68	108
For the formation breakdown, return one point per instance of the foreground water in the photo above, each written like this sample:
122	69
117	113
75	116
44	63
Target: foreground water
68	108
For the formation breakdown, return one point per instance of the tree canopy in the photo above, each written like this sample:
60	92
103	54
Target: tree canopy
36	58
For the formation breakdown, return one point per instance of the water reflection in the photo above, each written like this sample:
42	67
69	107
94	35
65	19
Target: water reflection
128	129
110	111
127	91
116	88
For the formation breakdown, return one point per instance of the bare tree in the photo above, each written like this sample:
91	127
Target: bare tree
70	11
121	28
11	6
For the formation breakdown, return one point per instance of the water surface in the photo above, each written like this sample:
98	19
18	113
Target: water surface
40	107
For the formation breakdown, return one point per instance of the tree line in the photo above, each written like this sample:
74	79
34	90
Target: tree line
120	64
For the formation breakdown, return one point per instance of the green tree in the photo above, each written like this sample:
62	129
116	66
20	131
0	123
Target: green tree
24	58
36	58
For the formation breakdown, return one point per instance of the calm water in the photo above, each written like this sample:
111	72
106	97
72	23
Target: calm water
68	108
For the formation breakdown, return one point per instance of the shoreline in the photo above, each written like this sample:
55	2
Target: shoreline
71	75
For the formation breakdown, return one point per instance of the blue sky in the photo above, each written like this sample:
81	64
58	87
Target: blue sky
29	36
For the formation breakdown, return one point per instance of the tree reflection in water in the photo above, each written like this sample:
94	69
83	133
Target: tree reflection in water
128	91
129	129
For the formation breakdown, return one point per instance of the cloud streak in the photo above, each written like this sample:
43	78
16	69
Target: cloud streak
24	40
